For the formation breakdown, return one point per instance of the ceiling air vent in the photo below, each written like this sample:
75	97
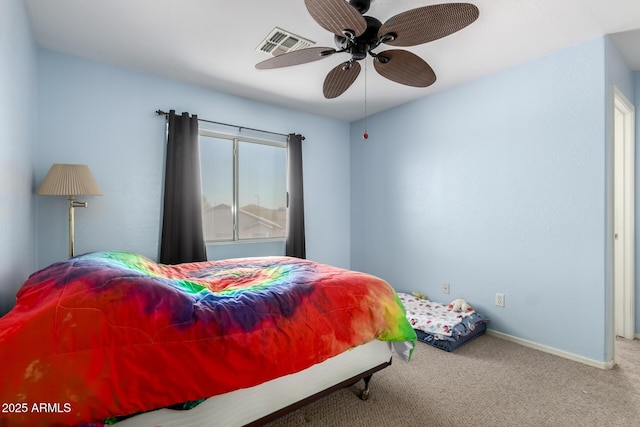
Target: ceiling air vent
280	41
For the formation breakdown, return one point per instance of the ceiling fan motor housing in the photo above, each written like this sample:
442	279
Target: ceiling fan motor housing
361	6
359	46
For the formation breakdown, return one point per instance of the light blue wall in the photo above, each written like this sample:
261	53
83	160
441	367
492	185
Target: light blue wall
498	185
104	117
18	118
495	186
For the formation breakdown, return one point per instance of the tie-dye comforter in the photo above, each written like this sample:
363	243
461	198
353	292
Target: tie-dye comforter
113	333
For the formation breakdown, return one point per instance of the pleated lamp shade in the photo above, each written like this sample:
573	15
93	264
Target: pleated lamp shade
69	180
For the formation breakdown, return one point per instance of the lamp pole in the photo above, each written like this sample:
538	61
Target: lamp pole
72	232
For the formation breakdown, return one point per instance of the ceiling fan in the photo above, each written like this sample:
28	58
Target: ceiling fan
358	35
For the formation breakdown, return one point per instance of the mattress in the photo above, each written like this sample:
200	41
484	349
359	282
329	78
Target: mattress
450	344
438	325
245	406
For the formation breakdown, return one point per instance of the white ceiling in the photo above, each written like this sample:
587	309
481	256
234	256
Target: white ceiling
212	43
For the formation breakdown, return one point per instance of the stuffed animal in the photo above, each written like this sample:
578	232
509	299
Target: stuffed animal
418	295
460	305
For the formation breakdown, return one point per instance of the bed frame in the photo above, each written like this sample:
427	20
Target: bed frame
256	406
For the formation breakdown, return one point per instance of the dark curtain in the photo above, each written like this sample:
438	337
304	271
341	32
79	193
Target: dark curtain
182	237
295	241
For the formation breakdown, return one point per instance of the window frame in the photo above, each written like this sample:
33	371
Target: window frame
236	139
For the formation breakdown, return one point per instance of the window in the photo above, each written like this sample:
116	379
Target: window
243	187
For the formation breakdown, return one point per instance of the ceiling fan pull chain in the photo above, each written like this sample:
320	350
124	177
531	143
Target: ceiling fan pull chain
365	135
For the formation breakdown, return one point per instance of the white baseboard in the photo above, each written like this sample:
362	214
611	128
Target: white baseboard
551	350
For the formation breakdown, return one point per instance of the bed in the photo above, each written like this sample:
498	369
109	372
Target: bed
113	336
438	325
277	397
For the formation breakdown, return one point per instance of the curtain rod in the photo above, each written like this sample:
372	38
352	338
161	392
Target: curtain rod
163	113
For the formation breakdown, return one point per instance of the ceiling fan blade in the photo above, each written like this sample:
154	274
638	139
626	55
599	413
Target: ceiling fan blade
296	57
340	79
404	67
336	16
428	23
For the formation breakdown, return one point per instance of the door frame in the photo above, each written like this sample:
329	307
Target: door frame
624	305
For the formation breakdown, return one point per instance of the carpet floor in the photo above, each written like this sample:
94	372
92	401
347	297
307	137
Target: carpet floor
488	382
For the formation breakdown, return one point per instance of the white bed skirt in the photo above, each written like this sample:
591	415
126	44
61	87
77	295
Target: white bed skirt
242	407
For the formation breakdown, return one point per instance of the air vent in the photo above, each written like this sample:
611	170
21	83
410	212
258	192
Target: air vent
280	41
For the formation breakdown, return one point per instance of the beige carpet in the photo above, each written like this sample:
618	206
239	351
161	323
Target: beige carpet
488	382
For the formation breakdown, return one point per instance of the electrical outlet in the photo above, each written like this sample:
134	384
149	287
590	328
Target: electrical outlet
445	288
500	300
